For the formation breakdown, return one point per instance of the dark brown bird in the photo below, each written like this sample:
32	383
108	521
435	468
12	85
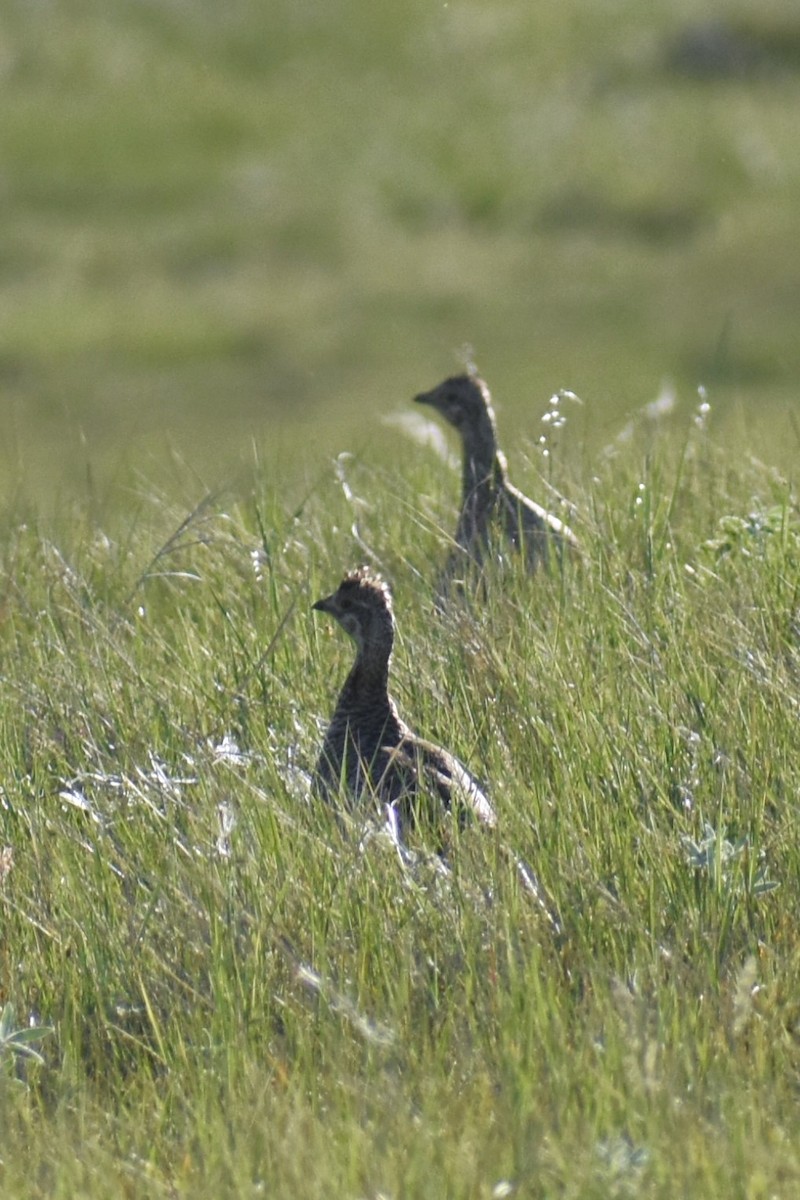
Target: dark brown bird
488	501
368	750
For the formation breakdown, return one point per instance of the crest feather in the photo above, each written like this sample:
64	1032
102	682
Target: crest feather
364	581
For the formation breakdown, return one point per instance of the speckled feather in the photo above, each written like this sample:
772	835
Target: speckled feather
368	750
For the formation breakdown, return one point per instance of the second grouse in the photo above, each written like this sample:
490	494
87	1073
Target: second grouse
488	501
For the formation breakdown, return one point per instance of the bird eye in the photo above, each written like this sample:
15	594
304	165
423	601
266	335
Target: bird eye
345	605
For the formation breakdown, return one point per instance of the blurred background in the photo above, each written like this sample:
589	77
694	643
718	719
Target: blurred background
237	229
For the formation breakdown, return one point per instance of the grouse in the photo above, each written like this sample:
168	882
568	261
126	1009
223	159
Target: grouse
370	753
488	500
368	750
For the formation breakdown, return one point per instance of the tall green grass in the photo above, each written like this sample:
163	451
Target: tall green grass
245	999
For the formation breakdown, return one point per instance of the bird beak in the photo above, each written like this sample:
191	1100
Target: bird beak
326	605
426	398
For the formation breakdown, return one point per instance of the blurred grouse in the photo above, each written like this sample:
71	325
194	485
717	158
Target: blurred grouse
488	500
368	750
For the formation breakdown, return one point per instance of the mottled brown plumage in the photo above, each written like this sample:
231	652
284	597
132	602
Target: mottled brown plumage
370	754
369	751
489	502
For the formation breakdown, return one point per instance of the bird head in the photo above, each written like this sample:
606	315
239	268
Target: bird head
362	604
464	402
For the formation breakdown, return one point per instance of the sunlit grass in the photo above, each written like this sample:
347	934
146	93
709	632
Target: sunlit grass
234	241
245	997
218	221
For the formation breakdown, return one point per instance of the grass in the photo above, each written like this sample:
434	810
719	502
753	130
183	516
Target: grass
245	999
233	240
218	223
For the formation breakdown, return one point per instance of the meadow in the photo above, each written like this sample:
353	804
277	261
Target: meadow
244	998
277	223
233	244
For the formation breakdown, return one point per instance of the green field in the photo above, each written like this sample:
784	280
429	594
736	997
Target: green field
244	999
234	241
281	219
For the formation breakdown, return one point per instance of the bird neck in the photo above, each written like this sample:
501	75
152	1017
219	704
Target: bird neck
369	676
484	468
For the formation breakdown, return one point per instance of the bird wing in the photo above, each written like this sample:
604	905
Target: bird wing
425	768
525	518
